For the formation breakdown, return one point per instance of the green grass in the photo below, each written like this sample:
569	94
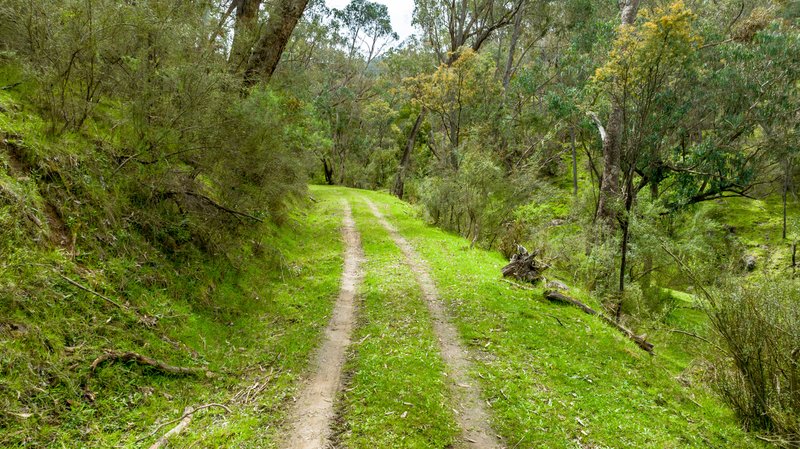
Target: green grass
255	324
576	383
757	225
395	394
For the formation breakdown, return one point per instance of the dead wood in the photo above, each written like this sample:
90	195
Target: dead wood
640	340
113	356
525	266
184	421
86	289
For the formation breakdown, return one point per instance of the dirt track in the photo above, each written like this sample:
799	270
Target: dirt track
312	414
471	415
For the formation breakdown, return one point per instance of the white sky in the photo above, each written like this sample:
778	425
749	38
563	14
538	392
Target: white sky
400	10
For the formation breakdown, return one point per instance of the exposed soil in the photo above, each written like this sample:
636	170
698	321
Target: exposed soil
470	413
312	414
15	159
58	231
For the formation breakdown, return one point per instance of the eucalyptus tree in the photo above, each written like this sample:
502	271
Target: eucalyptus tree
278	28
612	133
245	32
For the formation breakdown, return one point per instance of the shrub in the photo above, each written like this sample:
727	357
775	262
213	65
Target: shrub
758	375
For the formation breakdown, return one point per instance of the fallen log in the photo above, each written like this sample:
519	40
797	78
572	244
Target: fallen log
640	340
554	296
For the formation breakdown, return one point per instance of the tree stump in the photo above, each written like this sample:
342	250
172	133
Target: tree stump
525	266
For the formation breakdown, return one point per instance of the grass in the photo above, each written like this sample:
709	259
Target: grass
396	394
255	324
555	377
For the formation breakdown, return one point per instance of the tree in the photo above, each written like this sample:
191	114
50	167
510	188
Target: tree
466	25
267	53
245	32
611	136
370	19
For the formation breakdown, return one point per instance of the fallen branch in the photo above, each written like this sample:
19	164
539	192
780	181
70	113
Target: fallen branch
555	318
185	419
87	289
690	334
555	296
640	340
217	205
113	356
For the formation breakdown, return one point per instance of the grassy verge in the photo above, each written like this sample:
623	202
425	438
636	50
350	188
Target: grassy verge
395	394
251	320
556	377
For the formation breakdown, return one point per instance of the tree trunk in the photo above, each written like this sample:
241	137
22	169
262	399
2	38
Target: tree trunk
405	161
245	32
265	57
607	210
512	50
609	184
574	162
786	182
328	167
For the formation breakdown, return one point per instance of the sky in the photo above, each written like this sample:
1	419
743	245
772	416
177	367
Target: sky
400	10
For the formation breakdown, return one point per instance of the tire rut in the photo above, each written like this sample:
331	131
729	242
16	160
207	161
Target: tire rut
313	413
470	413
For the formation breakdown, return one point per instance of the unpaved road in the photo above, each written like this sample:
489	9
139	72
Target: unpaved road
312	414
470	413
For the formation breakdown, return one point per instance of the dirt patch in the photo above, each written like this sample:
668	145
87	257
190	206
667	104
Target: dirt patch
19	167
16	161
313	413
59	233
470	413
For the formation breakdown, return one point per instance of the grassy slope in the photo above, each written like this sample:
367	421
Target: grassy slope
576	383
264	325
252	316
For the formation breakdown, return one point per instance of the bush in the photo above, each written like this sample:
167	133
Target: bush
759	328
